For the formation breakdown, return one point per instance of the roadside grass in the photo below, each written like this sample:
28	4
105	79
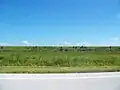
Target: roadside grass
49	61
63	59
50	69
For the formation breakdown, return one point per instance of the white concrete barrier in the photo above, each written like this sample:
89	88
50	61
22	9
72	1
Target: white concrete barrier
75	81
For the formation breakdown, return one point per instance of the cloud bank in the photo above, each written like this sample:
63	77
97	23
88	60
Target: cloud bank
115	41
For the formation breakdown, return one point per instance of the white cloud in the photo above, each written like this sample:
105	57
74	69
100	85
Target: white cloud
86	43
25	42
113	42
115	39
5	44
67	43
75	44
78	44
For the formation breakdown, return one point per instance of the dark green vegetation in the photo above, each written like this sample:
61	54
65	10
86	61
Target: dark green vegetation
72	59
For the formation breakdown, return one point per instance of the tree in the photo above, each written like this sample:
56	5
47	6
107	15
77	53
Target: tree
1	47
110	48
66	50
61	49
83	48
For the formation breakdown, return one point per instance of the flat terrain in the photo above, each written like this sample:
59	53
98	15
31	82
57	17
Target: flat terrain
58	59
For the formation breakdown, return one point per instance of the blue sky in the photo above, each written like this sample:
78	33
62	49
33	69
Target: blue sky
53	22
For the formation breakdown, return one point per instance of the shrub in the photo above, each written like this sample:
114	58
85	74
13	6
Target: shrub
1	57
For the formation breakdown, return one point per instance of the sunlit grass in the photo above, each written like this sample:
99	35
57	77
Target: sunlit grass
47	57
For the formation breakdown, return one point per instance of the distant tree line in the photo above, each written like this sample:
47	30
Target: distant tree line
61	49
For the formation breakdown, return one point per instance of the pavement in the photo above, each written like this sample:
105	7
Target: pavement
70	81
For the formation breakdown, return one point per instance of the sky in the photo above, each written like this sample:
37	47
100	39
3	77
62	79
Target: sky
60	22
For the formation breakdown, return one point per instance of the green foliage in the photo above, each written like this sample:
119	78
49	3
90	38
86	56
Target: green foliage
1	57
60	56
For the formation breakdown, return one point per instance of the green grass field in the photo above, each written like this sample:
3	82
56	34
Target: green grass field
59	59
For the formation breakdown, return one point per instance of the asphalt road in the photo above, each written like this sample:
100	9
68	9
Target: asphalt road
75	81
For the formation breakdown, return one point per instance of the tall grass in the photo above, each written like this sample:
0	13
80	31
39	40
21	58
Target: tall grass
66	59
